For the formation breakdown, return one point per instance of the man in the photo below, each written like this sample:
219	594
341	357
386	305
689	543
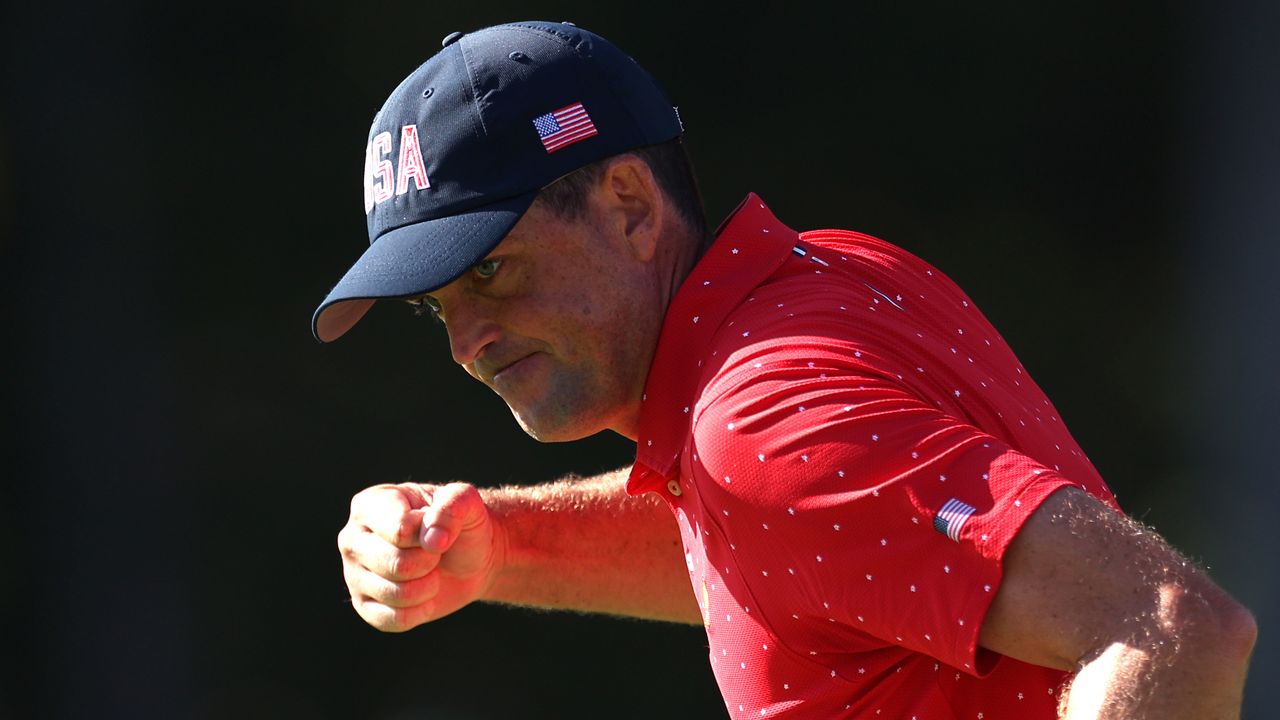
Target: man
879	512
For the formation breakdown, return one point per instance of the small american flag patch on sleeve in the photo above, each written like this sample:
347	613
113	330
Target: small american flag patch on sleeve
952	517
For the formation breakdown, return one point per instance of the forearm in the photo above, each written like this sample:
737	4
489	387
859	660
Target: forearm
1194	672
1089	590
584	544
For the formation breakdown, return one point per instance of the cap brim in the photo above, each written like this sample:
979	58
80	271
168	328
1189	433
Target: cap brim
415	259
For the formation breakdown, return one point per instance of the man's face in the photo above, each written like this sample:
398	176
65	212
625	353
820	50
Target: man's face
560	320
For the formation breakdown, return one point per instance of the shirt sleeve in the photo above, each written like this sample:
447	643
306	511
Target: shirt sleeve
866	516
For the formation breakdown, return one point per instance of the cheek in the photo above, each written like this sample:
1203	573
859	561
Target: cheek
619	330
577	310
592	311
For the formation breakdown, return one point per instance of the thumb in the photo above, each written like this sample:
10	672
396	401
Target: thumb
454	509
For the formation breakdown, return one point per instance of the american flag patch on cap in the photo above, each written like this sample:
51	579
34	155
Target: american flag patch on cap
952	517
565	126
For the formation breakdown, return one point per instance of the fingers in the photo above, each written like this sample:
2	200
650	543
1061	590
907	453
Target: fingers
370	587
392	619
413	553
393	589
392	512
380	557
453	510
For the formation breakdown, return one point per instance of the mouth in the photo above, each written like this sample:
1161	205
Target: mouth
504	369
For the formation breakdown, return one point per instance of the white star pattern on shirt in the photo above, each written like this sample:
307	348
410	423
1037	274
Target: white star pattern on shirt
827	482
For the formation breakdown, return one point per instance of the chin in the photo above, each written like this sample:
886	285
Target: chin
545	431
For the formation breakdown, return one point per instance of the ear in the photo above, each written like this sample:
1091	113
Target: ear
633	204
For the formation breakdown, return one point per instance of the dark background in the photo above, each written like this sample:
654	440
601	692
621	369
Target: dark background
179	187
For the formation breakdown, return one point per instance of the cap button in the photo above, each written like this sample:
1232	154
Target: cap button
451	38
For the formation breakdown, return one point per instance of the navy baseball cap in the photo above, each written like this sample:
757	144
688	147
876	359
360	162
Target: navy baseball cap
462	146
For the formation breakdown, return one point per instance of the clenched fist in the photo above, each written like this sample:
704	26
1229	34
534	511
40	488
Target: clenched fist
414	553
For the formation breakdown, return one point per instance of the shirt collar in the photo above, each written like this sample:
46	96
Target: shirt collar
750	245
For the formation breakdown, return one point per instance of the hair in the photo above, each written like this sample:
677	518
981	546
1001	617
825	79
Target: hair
669	161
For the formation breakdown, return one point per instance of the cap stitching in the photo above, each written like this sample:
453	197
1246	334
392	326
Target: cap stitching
475	91
569	40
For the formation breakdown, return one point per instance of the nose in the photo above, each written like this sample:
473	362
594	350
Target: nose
471	330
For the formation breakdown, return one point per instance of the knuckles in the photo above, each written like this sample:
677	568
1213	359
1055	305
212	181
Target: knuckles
400	566
389	619
370	496
410	594
395	620
345	538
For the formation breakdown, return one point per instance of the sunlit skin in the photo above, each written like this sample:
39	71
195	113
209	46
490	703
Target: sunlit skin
562	318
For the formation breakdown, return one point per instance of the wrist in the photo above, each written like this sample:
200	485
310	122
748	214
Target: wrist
503	561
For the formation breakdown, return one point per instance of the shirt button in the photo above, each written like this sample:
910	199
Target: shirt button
674	488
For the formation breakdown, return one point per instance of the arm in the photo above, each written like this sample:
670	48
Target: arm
1088	590
584	544
415	553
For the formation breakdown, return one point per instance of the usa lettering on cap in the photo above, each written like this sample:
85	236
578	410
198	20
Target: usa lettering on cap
380	175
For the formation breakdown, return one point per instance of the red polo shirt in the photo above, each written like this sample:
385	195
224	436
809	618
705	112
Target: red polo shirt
848	447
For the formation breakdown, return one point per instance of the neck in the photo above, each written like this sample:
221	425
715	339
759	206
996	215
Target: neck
678	252
686	250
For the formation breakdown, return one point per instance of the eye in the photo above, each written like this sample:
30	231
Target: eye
426	305
487	268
